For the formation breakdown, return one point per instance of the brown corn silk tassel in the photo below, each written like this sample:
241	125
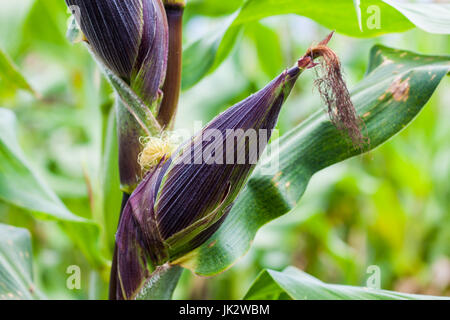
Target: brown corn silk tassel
333	91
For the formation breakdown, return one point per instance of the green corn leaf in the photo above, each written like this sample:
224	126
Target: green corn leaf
161	284
431	17
10	73
335	15
294	284
16	271
205	55
46	37
212	8
396	88
269	48
112	196
21	186
12	17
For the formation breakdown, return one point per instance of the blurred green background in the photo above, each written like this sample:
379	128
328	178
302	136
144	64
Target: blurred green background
389	208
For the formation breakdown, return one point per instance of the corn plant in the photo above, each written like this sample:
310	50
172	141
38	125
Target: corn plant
197	203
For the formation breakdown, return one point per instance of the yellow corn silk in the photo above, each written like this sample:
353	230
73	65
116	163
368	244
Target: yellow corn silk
155	149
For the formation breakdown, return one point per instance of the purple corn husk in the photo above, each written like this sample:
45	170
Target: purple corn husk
183	201
130	38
